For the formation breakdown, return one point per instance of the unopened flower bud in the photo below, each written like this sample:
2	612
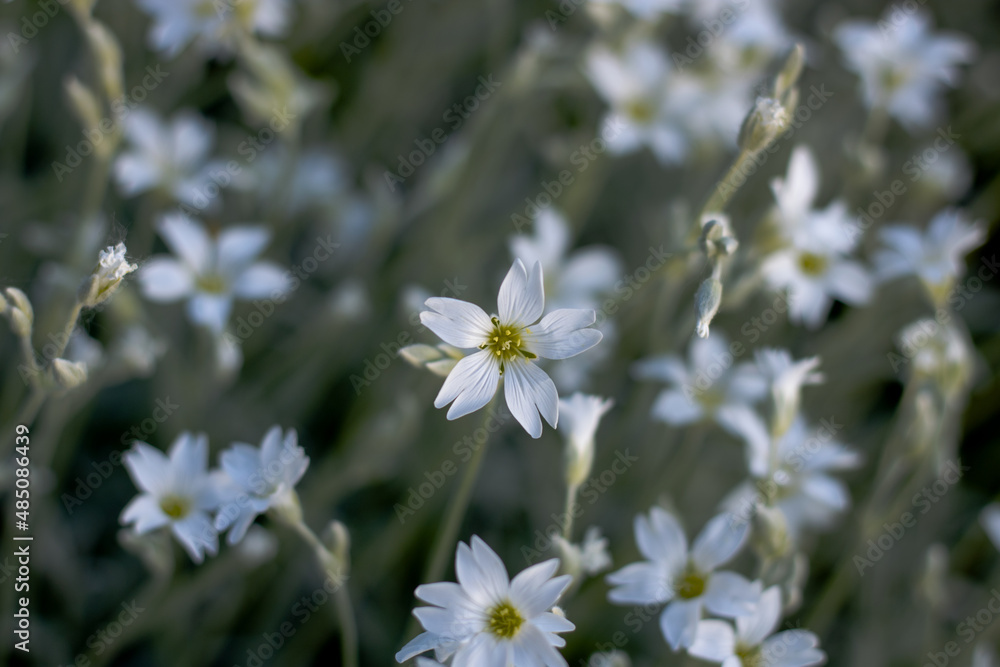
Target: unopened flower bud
83	103
766	120
68	374
19	300
707	302
438	359
108	53
20	323
790	72
337	540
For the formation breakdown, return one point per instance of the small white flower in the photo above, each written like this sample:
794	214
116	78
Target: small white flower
171	158
786	377
687	580
112	267
264	478
989	518
589	557
210	273
487	619
508	345
814	267
581	416
754	644
710	386
903	66
217	22
177	491
936	256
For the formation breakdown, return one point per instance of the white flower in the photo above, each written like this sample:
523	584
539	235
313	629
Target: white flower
937	256
264	478
634	84
218	22
989	518
177	491
903	66
646	9
581	416
487	619
710	386
786	377
508	345
210	273
754	644
792	475
112	267
610	659
984	656
172	158
814	267
687	580
589	557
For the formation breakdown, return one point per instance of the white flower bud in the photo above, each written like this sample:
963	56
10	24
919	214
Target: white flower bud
707	302
20	323
84	103
111	269
763	124
68	374
580	416
21	302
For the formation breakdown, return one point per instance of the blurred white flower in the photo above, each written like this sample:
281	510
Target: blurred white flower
581	415
814	267
508	345
177	491
487	619
786	377
984	656
687	580
938	350
792	475
936	256
589	557
903	65
710	386
989	519
263	478
211	272
646	9
610	659
218	22
754	644
172	158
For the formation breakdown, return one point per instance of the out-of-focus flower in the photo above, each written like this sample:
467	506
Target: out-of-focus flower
139	350
936	256
508	346
218	23
177	491
903	65
172	158
710	386
610	659
438	359
687	580
263	478
754	643
589	557
937	350
581	416
646	9
69	374
487	619
814	267
989	518
211	272
112	267
793	476
787	376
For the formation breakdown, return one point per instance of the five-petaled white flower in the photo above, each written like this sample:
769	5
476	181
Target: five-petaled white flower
814	265
177	491
710	386
687	580
216	22
902	68
936	256
509	344
169	157
754	643
210	273
263	478
487	619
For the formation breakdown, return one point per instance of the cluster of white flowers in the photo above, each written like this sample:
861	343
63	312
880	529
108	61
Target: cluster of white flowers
178	490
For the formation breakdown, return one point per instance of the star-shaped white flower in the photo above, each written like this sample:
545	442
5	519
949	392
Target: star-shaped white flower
710	386
487	619
936	256
170	157
903	66
687	580
177	491
263	478
211	272
814	266
509	344
754	643
217	22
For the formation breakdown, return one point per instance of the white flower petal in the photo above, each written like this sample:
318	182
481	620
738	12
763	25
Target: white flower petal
661	538
148	467
713	641
673	407
731	595
239	246
522	296
210	310
457	323
679	622
562	334
754	629
528	391
197	535
718	542
144	511
165	279
188	240
471	384
263	280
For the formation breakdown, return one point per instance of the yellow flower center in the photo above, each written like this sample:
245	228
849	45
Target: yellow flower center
505	620
691	584
750	656
641	111
812	264
504	341
212	283
175	507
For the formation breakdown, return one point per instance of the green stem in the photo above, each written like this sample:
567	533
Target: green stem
571	490
721	196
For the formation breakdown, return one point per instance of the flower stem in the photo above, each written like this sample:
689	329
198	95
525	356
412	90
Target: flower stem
726	187
571	490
